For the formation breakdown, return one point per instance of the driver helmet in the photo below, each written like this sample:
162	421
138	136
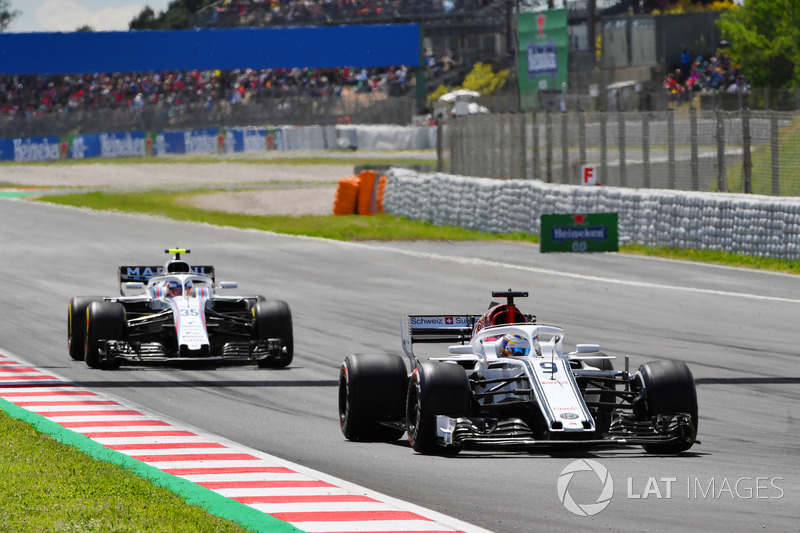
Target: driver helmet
188	286
174	288
513	345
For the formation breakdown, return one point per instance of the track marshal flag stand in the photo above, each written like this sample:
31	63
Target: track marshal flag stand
595	232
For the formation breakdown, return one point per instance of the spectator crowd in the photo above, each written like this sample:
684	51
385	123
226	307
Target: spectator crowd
697	74
226	13
37	95
33	95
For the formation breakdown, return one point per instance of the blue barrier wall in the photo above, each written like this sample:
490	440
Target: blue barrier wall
224	49
140	143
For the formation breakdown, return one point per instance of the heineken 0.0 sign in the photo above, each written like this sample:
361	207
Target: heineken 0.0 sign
596	232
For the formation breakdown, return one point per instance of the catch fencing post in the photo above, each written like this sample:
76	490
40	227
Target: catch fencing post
548	133
502	159
582	137
693	144
671	148
747	164
722	182
621	149
439	151
564	149
774	148
603	149
646	148
535	161
523	143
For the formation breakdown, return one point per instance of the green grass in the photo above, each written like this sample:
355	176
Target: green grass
171	204
716	257
49	486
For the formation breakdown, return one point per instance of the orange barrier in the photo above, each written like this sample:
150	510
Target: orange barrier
345	201
381	189
367	204
361	194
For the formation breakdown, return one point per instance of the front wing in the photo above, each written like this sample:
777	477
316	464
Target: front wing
625	430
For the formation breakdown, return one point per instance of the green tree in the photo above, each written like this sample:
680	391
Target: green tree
145	20
765	41
483	79
177	16
6	14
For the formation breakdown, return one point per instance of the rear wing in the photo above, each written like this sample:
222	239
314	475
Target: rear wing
144	273
451	329
436	328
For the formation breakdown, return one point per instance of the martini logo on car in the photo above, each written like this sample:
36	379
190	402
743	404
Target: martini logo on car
144	271
569	416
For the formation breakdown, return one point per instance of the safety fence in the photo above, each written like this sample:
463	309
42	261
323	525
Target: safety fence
350	107
727	151
738	223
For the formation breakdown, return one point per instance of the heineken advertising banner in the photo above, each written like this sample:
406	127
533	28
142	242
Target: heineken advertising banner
596	232
542	57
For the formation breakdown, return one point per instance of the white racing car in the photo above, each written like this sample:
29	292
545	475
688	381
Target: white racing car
508	384
176	315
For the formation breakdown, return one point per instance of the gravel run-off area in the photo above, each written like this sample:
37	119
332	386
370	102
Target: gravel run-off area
273	189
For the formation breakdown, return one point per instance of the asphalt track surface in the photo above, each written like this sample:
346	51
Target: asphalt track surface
737	330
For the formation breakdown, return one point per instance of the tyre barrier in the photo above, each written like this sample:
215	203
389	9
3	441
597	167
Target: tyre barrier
346	199
360	194
749	224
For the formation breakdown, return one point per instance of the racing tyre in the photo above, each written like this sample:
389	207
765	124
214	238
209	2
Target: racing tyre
667	388
76	324
104	321
273	320
435	389
372	390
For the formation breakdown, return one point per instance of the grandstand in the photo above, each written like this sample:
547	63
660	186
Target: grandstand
457	33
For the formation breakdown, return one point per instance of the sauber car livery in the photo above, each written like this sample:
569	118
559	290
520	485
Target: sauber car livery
176	314
508	384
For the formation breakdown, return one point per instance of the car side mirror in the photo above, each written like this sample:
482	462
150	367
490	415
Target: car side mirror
465	349
228	285
587	348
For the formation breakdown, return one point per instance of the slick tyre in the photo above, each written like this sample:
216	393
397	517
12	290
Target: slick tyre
76	325
435	389
667	387
104	321
372	390
273	320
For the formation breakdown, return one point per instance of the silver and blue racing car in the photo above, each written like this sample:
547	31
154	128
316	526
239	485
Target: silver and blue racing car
174	313
507	383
